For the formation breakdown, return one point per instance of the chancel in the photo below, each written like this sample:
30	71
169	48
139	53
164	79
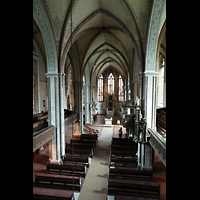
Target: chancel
99	99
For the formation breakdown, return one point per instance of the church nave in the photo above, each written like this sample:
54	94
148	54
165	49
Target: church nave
99	99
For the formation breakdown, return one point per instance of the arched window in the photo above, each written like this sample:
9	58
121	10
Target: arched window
121	91
100	88
111	83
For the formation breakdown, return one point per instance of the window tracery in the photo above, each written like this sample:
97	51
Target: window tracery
121	91
100	88
111	80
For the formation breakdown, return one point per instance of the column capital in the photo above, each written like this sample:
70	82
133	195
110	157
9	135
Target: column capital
148	73
54	74
151	73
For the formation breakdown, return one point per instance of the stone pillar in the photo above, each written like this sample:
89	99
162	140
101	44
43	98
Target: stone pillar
125	92
76	85
62	120
140	90
36	84
81	107
135	89
95	93
53	82
144	156
77	104
147	94
131	86
87	103
150	94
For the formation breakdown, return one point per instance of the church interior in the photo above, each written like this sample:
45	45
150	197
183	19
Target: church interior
99	99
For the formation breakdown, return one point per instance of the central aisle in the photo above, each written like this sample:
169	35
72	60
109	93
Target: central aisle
95	184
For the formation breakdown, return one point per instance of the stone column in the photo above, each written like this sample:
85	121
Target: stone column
150	94
36	84
76	85
54	109
147	94
131	86
62	122
77	105
95	93
125	92
87	103
145	156
140	90
81	107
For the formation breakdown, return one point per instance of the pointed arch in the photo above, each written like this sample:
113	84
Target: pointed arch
40	17
158	14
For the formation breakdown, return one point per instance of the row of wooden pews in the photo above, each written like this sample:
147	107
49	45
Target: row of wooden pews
125	179
161	120
40	116
123	152
40	120
70	174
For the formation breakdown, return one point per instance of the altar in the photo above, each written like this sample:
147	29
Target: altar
110	112
108	121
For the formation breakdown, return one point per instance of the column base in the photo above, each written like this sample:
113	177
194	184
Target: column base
147	168
57	162
139	167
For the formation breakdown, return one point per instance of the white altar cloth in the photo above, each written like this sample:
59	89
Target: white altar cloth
108	121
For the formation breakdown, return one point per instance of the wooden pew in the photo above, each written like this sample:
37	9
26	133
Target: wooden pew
51	194
161	120
123	153
83	160
67	169
40	116
78	152
123	147
58	182
44	116
117	161
130	173
39	125
80	146
122	141
90	137
133	188
83	141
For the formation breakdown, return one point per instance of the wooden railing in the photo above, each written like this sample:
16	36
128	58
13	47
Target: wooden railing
71	119
46	134
158	143
42	136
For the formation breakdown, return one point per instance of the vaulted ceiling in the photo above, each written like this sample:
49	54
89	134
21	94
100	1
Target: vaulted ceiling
104	32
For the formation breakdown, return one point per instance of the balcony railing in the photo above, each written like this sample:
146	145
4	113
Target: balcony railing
71	119
42	136
158	143
46	134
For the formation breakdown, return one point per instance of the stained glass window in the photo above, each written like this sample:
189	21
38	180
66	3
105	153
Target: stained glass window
100	88
111	83
121	91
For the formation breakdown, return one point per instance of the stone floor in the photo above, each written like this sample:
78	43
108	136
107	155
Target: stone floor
95	184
